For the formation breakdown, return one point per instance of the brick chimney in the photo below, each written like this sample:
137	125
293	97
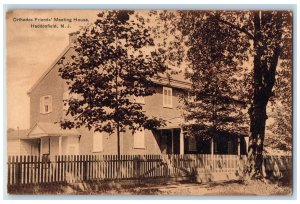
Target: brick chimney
73	37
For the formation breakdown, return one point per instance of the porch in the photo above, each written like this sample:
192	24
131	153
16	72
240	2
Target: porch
49	139
173	140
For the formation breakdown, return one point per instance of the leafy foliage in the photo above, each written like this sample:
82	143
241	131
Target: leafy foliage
225	41
111	67
282	128
215	54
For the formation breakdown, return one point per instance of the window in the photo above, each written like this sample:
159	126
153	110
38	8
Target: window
97	142
46	104
139	99
139	139
167	97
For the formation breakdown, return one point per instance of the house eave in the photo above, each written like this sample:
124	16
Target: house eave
172	83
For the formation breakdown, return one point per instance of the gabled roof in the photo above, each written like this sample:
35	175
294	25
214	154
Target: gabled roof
44	129
49	69
176	80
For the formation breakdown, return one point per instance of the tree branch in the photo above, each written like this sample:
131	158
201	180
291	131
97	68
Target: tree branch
235	27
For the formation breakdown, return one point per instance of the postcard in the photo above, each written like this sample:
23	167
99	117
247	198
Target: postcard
149	102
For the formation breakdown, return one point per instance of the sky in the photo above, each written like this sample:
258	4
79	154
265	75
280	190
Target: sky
30	52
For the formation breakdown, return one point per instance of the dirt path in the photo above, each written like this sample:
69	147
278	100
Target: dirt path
163	188
219	188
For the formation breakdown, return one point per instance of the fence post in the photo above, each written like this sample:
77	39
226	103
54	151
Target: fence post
136	166
8	170
18	170
84	168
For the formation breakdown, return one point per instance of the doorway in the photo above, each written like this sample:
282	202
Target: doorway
170	141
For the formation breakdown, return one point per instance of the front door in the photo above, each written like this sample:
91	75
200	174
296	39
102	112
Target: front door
170	141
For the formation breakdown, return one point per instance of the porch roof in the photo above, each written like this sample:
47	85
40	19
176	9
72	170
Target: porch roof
173	123
233	131
44	129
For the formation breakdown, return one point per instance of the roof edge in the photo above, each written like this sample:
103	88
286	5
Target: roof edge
50	68
172	82
159	80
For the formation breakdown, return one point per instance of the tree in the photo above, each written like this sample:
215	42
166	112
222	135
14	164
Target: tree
113	62
216	106
260	35
281	105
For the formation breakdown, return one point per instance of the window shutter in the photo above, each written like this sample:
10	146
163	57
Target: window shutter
165	97
97	142
139	139
170	97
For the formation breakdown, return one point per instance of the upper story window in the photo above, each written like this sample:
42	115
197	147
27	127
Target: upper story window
46	104
167	97
139	139
139	99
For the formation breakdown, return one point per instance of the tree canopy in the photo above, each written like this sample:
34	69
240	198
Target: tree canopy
214	58
232	40
110	68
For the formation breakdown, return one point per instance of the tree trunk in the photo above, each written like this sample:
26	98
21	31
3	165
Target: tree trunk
257	111
263	82
258	119
118	140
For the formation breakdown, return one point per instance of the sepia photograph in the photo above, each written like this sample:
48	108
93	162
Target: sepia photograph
149	102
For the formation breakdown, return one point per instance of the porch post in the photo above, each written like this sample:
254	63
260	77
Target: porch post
59	145
247	143
212	153
239	146
172	132
181	141
41	147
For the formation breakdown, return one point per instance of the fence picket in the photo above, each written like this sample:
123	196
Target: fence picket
26	170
